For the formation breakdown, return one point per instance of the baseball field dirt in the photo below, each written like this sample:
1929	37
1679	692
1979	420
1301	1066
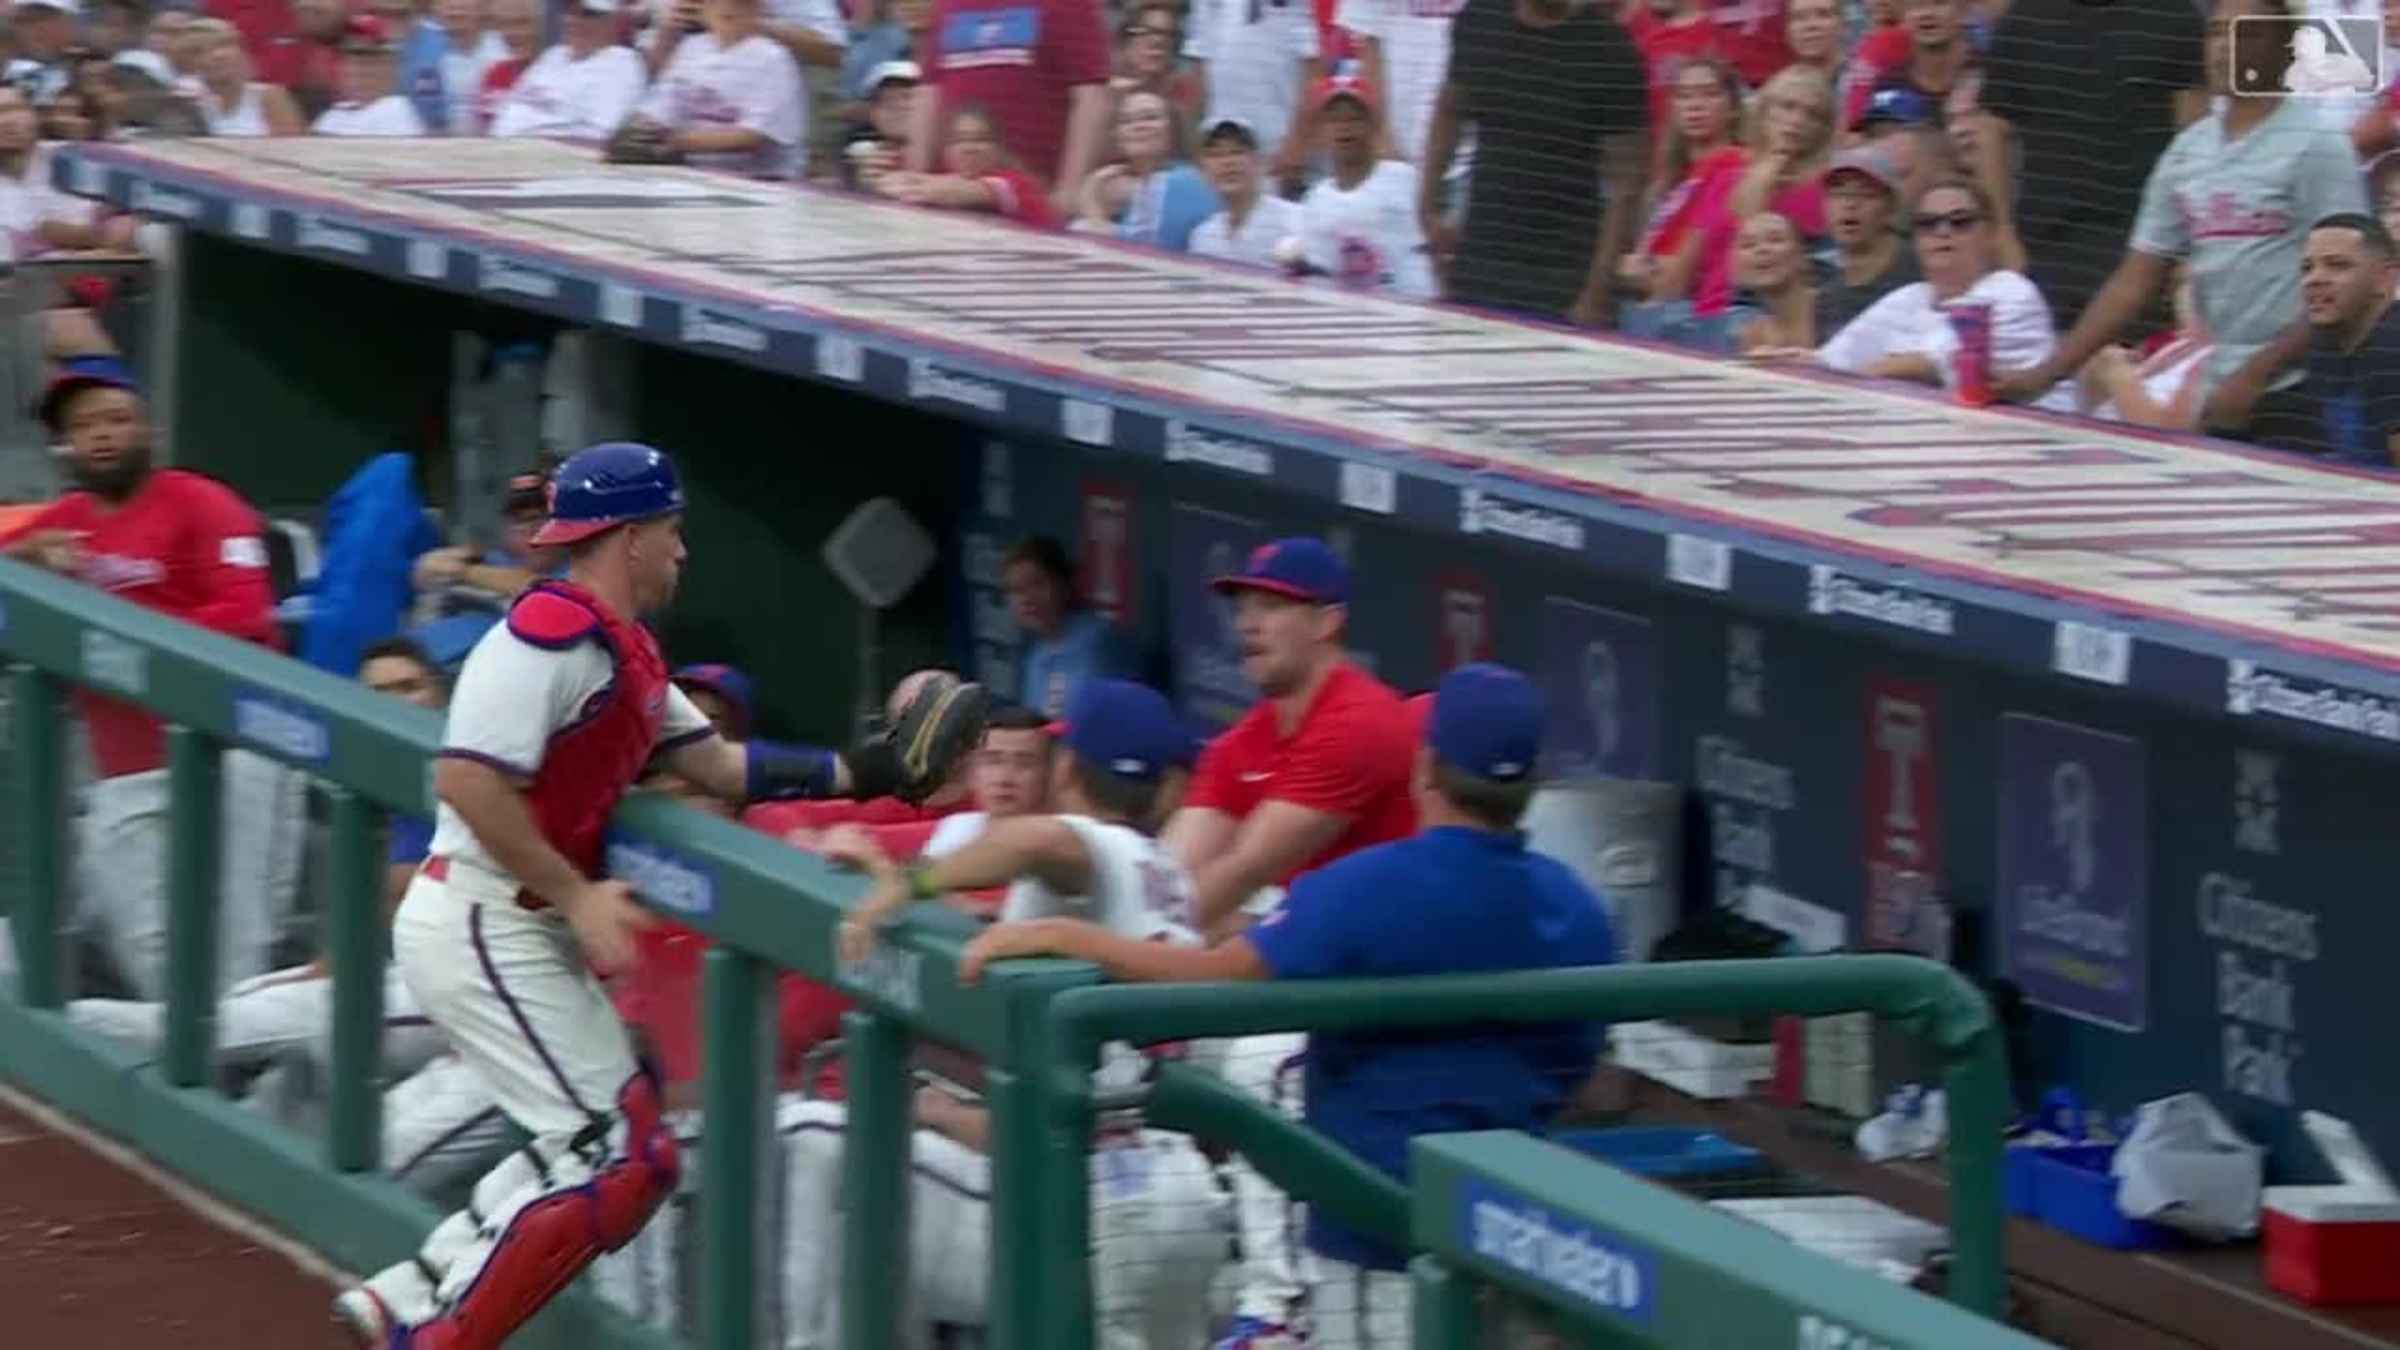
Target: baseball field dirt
93	1256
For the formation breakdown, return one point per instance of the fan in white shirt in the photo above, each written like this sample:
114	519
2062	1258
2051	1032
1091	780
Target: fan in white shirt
1359	225
1404	57
471	49
583	87
1907	335
1256	58
1011	778
1254	224
368	106
731	95
231	103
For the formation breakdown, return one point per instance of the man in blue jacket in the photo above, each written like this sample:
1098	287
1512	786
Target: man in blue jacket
1465	894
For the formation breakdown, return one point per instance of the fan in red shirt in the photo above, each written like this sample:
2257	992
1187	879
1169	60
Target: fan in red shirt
183	545
1668	36
1319	768
1039	67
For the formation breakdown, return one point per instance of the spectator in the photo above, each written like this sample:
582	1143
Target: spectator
1862	194
1255	223
1065	643
186	547
723	695
2346	405
893	35
1670	34
1906	336
584	86
2383	190
163	41
44	31
112	27
1900	124
518	25
1939	56
1145	63
730	97
1751	34
2161	389
465	582
313	56
2089	97
1776	309
1255	59
1011	778
2233	194
1554	92
1813	31
1039	66
36	216
879	144
232	103
1359	224
1152	195
1700	163
371	104
443	63
1790	134
1464	895
981	176
1404	60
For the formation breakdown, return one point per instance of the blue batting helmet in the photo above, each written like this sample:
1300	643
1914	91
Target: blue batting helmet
607	485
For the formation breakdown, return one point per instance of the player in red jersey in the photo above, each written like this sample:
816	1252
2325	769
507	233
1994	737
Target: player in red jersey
186	546
501	936
1318	770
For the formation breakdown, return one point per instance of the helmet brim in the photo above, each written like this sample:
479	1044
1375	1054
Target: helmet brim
555	532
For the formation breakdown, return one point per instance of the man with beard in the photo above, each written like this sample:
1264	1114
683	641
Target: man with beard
186	546
2347	347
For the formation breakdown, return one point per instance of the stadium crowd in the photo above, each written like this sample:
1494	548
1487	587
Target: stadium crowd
2161	213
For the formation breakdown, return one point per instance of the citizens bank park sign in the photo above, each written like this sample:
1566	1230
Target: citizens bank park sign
2233	582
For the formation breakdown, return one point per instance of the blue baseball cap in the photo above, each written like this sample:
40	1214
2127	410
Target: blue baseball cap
1896	103
726	683
1122	727
1300	568
77	374
606	485
1487	721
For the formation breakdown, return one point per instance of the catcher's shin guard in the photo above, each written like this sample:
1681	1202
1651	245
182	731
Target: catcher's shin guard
594	1198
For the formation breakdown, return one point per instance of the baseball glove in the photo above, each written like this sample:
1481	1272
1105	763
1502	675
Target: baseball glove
641	141
917	753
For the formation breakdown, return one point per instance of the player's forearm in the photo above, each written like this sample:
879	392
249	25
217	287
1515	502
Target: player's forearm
2229	409
716	766
498	816
1221	887
970	1126
2128	289
506	582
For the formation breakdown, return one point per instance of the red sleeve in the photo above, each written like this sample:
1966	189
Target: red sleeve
226	554
1020	198
902	843
807	1015
1078	42
1340	765
34	518
1212	777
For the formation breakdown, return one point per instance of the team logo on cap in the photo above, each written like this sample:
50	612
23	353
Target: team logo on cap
1261	556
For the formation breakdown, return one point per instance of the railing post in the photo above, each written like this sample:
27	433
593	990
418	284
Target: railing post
34	711
875	1155
1443	1317
1978	1102
1017	1313
355	941
735	1245
193	808
1062	1143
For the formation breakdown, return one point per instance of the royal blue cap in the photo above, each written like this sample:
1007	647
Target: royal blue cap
1183	745
1299	568
606	485
1122	727
726	683
78	373
1895	103
1487	721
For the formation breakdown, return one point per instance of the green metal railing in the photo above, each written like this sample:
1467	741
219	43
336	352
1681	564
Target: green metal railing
1036	1025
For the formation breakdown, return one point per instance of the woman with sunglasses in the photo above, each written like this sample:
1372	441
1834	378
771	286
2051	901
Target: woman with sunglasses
1907	335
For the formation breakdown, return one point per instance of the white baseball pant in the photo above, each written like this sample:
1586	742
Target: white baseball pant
1157	1239
121	866
271	1015
1354	1308
511	990
442	1126
1268	1283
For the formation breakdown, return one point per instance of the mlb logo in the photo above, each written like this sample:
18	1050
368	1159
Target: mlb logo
2275	56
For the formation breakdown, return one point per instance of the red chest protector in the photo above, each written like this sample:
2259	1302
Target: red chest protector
594	758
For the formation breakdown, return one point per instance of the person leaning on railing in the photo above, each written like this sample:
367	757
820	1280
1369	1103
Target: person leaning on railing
1465	894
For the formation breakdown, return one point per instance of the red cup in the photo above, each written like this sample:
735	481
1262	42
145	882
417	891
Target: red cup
1971	364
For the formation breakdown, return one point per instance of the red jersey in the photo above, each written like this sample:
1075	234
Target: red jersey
269	36
1022	59
498	79
1753	33
1666	45
1351	756
589	763
183	545
1018	196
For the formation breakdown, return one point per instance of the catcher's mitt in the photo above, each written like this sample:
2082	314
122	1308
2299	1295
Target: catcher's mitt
642	142
917	753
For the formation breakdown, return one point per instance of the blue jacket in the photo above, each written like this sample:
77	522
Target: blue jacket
375	527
